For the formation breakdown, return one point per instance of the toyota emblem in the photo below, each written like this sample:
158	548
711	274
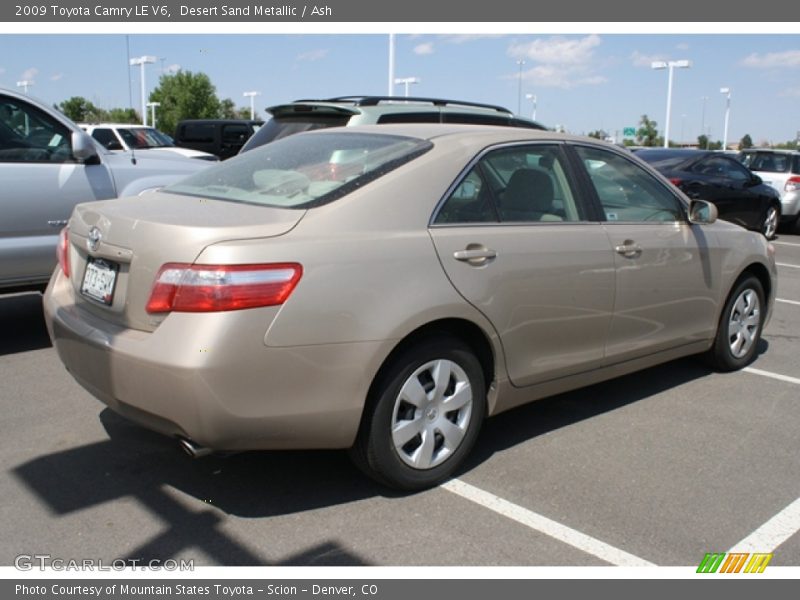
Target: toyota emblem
94	239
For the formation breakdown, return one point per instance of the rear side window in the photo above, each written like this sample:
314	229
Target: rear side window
770	162
524	184
107	138
236	134
303	171
410	117
197	132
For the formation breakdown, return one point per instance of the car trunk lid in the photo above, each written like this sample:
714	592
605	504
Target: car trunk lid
117	247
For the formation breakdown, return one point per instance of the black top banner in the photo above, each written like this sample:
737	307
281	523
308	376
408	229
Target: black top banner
498	11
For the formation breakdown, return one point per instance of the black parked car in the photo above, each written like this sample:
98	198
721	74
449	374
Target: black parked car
740	196
220	137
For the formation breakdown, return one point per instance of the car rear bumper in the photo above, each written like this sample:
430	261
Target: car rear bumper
199	386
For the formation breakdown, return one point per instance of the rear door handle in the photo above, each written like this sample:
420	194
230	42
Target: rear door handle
629	249
475	255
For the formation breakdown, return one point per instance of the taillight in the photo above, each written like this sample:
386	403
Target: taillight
792	184
676	181
183	287
62	250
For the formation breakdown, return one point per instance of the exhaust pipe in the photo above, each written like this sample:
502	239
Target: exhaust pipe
192	449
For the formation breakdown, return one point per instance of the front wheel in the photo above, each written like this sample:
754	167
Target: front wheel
739	328
423	416
769	226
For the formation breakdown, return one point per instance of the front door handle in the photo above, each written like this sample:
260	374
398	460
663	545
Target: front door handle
475	254
629	249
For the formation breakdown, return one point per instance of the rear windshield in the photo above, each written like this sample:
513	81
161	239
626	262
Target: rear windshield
281	127
303	171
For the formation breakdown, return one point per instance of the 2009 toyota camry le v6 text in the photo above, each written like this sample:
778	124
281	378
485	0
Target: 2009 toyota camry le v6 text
386	288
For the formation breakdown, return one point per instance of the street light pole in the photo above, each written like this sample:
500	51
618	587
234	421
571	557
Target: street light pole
252	96
152	106
520	63
391	64
703	119
670	65
25	84
141	62
727	92
532	97
407	81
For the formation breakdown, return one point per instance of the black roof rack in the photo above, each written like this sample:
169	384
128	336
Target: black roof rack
375	100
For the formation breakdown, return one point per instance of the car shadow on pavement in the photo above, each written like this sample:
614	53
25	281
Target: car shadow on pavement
549	414
22	324
135	464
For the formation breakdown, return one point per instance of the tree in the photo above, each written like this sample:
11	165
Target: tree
647	134
228	110
702	142
746	142
599	134
79	108
185	95
124	115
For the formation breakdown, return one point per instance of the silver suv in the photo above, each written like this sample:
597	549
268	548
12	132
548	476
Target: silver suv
47	166
781	170
305	115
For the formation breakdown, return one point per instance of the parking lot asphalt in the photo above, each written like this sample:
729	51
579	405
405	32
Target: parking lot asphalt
657	467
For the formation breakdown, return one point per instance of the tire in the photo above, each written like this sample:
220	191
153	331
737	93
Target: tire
739	328
772	217
423	415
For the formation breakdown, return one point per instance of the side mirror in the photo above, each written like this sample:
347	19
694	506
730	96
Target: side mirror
702	212
83	148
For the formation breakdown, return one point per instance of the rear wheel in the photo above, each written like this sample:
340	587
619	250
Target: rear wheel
769	225
740	326
424	415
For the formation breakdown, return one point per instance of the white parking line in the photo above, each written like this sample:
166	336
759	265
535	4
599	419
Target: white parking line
772	533
786	244
772	375
542	524
788	265
787	301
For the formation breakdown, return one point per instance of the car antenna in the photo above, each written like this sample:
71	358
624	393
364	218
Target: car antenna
133	155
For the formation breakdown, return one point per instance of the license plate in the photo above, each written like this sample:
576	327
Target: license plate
99	280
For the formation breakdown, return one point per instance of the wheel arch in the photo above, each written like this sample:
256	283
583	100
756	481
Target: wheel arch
464	330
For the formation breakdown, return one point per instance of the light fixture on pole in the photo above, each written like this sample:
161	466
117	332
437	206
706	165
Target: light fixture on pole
520	64
532	97
252	96
671	65
152	106
25	84
407	81
141	62
727	92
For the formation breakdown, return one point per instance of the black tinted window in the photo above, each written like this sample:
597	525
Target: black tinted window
410	117
29	135
197	132
281	127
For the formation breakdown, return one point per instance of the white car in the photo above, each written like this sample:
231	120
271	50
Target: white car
126	136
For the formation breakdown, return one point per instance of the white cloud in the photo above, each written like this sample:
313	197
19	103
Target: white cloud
2	70
790	93
171	69
557	50
562	62
56	77
645	60
470	37
683	47
30	74
773	60
312	55
424	49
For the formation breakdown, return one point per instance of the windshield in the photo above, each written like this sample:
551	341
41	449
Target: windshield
144	137
770	162
304	170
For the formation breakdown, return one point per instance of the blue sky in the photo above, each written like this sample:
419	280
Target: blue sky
583	82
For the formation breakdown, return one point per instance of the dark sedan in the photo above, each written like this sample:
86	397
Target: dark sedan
740	196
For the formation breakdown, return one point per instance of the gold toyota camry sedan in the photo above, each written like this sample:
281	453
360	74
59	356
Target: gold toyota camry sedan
387	288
